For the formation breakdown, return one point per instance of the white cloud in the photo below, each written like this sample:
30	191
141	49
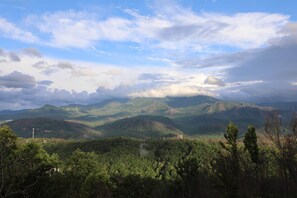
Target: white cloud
73	75
248	30
79	29
173	28
212	80
12	31
173	90
174	83
294	83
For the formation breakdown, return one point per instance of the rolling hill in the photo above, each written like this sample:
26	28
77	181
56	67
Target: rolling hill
143	126
216	122
51	128
121	116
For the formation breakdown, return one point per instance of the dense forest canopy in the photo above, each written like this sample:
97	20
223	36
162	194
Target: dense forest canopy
125	167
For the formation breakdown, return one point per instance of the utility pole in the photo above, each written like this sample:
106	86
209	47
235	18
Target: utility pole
33	133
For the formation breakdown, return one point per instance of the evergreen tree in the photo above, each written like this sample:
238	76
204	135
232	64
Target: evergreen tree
226	167
231	139
250	143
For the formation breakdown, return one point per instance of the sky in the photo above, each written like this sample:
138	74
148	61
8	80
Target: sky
64	52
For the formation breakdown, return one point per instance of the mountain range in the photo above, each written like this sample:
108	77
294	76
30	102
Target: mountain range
140	117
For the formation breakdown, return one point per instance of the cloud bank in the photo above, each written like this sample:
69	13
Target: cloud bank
37	80
244	56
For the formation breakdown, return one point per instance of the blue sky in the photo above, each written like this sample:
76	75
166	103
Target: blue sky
62	52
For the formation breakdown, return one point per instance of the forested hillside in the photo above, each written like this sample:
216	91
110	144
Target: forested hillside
51	127
121	117
262	165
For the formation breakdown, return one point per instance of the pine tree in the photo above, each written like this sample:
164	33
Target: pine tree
250	143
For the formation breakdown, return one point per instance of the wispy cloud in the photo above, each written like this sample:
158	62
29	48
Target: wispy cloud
173	28
13	31
79	29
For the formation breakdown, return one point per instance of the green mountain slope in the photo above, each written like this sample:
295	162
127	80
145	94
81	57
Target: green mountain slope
51	128
193	115
143	126
179	102
286	106
216	122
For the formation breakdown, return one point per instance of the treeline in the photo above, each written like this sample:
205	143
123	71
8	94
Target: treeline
122	167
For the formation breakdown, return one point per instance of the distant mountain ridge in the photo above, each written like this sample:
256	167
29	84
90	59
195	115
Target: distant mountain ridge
287	106
190	115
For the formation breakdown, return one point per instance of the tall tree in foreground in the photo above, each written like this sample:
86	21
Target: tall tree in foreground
226	169
231	145
250	143
251	166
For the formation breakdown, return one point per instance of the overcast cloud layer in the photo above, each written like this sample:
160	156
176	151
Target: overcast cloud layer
244	56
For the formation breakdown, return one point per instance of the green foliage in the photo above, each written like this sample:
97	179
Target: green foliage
7	157
250	143
122	167
80	164
21	167
225	175
7	141
231	138
226	168
191	177
134	186
117	146
96	185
